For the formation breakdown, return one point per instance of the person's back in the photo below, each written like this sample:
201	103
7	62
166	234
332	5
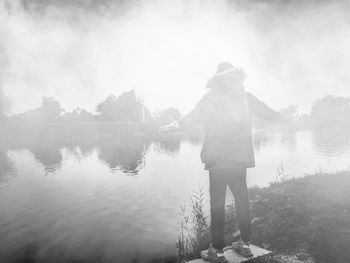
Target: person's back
227	152
227	105
223	110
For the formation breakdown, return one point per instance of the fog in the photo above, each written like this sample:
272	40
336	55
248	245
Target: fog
292	52
129	176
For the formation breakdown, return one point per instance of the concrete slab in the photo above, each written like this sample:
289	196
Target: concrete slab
233	257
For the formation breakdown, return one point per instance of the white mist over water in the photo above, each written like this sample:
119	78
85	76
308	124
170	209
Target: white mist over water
293	53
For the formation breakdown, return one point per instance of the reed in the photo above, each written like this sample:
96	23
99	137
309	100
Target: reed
194	233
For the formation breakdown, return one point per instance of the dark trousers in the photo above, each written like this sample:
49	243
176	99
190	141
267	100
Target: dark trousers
236	180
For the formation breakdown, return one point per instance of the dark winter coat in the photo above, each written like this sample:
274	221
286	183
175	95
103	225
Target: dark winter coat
224	112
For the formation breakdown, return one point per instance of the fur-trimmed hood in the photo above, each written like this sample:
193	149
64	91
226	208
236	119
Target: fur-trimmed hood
229	79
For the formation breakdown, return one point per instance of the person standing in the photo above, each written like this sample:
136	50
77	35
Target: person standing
227	152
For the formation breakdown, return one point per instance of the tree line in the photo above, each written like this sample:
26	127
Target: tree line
127	107
328	111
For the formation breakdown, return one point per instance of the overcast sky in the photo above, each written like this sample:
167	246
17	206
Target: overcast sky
292	52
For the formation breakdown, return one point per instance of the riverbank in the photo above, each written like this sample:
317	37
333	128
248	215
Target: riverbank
305	219
310	213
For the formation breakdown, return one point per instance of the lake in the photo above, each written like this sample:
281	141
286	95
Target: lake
118	199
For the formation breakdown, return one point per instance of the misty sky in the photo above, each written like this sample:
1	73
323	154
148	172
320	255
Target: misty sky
165	50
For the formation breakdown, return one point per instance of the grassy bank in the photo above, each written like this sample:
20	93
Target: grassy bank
309	214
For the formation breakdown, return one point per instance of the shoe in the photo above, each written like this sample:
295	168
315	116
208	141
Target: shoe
213	255
242	248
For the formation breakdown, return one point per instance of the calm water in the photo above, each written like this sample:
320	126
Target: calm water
119	199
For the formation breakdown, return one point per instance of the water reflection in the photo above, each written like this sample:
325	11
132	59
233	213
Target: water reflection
262	138
7	168
168	144
289	139
330	143
29	253
49	143
123	153
127	153
49	154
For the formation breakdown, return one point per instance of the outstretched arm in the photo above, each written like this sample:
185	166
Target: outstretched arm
191	118
196	115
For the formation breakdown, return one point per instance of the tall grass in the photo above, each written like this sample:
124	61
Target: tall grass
194	234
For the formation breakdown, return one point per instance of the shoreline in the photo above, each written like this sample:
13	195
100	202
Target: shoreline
304	219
